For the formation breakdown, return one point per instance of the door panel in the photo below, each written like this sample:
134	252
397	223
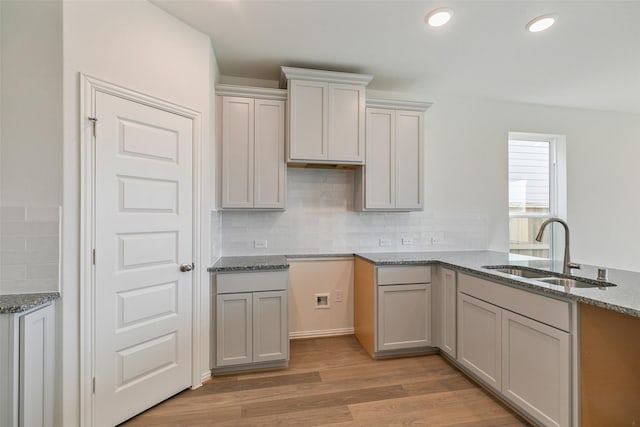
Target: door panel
404	316
535	368
270	328
380	167
479	339
409	153
234	335
143	232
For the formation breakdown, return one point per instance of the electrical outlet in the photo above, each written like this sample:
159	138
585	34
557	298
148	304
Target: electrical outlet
339	295
407	241
437	240
260	244
385	242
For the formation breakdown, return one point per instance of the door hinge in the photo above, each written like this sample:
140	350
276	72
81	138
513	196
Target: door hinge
93	121
93	385
93	257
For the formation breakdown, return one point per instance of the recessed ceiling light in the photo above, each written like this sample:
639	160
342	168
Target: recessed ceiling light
438	17
541	23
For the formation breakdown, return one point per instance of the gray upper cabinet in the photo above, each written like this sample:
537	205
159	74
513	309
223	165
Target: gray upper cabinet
326	116
393	177
253	171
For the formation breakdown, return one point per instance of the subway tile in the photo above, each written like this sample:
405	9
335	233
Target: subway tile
13	243
43	214
42	271
11	213
13	272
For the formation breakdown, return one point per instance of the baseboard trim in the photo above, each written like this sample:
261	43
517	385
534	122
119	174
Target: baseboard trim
321	333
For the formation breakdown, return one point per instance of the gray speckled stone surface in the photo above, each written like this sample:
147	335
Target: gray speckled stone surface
17	303
250	263
623	298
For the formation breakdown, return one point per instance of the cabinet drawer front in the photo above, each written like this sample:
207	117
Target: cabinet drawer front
547	310
404	274
252	281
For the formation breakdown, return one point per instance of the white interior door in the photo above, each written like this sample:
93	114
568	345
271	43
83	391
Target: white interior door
143	234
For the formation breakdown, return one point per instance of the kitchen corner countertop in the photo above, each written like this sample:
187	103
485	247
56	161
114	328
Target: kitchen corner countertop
250	263
17	303
623	298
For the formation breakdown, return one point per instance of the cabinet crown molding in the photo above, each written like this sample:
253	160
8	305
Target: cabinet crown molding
251	91
398	104
289	73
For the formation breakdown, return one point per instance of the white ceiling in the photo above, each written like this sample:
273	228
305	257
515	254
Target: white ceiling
589	59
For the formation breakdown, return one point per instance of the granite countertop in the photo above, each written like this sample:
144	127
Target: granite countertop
250	263
623	298
17	303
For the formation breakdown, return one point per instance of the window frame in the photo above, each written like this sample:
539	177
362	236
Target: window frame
557	183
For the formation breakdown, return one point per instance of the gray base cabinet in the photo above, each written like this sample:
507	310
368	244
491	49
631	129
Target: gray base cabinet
404	316
519	344
27	363
403	308
251	319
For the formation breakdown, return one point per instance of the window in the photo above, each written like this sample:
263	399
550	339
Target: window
537	181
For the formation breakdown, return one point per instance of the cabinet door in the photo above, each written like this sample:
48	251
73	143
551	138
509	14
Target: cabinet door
380	167
308	124
346	123
37	353
234	325
237	152
448	305
270	326
409	185
479	339
404	316
269	176
535	368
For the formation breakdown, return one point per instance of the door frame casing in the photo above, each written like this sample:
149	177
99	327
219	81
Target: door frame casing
89	86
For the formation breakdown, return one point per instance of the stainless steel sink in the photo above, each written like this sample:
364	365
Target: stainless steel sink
573	283
525	272
549	277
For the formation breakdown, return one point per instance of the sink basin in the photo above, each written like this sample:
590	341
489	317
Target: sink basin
519	271
549	277
573	283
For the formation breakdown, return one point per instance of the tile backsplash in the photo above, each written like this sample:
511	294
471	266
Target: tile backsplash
29	249
320	218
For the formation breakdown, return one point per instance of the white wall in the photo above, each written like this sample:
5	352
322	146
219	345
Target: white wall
467	171
136	45
30	145
31	103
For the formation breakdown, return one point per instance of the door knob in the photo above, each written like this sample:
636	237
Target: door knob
186	267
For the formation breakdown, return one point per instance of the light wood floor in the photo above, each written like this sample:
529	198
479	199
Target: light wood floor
332	381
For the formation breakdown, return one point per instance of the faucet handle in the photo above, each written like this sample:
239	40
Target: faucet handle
575	265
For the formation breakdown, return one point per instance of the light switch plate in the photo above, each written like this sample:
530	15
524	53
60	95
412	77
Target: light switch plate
260	244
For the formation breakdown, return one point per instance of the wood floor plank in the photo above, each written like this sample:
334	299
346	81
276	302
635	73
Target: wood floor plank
307	418
333	381
258	383
319	401
433	409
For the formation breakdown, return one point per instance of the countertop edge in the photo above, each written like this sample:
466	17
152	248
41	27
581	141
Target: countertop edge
18	303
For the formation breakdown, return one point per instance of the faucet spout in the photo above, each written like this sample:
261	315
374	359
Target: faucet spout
567	265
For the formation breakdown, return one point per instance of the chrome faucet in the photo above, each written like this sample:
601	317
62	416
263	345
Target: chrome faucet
567	265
